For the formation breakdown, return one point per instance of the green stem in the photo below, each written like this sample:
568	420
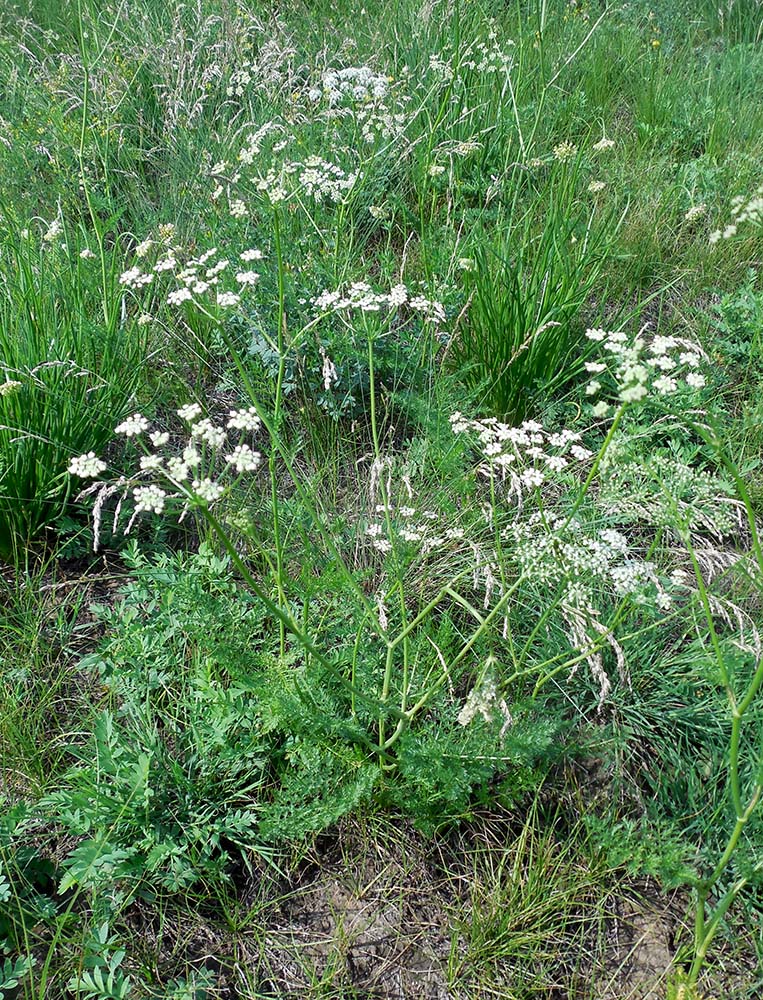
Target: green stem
277	422
595	467
290	625
306	500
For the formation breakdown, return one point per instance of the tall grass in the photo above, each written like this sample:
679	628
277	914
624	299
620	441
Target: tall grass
71	362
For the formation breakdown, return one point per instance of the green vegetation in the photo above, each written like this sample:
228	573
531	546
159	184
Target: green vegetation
380	493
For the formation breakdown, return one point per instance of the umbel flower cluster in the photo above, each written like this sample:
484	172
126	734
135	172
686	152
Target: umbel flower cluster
639	367
523	456
353	84
580	557
211	279
743	209
278	180
408	526
197	466
363	96
360	297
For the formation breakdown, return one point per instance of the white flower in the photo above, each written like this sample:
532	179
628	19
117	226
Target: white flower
191	457
601	409
436	169
177	469
206	490
615	540
133	426
135	278
238	209
149	498
695	212
664	601
592	388
54	231
86	254
689	358
86	466
661	344
565	151
176	297
189	412
228	299
167	263
244	420
142	248
243	458
695	380
252	254
9	386
603	143
398	295
664	362
664	385
532	477
209	432
158	438
247	277
595	186
150	462
411	534
633	393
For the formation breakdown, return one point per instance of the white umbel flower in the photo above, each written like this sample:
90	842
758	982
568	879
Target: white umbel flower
149	498
244	420
133	426
206	490
243	459
86	466
189	412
